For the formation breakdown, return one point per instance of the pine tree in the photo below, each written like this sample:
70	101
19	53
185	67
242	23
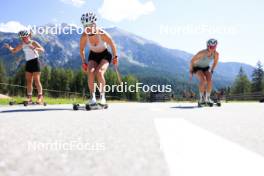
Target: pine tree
257	78
54	82
132	80
20	80
79	82
45	78
242	83
111	79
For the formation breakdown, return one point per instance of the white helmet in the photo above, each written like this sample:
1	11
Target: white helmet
212	43
23	33
88	19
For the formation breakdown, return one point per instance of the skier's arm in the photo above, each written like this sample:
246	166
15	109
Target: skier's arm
107	38
216	58
83	42
37	47
13	50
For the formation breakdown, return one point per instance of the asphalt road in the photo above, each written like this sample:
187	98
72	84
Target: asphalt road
122	140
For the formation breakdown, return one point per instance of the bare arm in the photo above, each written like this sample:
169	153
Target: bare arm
83	42
107	38
13	50
37	47
216	58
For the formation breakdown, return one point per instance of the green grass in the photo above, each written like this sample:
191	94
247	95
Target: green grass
53	101
48	100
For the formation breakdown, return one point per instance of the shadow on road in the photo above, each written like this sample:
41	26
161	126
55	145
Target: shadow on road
36	110
184	107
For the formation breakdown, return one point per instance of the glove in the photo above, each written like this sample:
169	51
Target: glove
85	67
212	71
115	60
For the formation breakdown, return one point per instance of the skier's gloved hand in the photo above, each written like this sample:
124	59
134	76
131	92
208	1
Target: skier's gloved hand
85	67
115	60
212	71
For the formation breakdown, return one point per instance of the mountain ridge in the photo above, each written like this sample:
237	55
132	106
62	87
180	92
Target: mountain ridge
138	56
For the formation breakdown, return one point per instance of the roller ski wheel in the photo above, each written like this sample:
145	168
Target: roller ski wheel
11	103
26	103
76	107
201	104
88	107
210	104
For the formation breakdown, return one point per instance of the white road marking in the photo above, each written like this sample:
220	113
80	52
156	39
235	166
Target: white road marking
190	150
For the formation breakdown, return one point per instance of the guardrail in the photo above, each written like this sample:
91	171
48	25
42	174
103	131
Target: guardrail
14	89
60	93
160	97
256	96
154	97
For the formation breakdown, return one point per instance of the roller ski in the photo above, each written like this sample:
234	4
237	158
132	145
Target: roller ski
40	101
29	102
26	103
209	103
11	103
91	105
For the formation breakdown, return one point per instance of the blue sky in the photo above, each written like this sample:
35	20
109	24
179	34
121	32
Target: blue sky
180	24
